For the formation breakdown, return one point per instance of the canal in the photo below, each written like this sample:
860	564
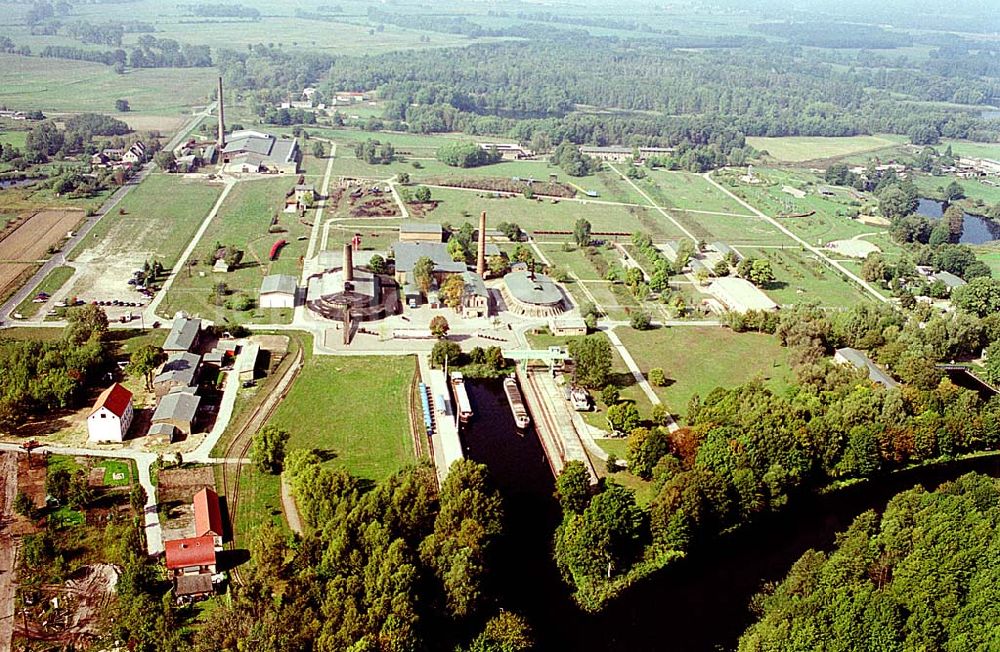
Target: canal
700	603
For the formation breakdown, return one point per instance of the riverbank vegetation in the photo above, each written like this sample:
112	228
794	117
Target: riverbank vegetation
747	450
923	575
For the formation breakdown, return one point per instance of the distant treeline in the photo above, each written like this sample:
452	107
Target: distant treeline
222	10
836	35
150	52
758	91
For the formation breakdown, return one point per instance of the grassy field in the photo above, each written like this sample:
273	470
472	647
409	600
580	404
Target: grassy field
161	216
242	220
990	254
60	85
687	191
974	190
800	278
52	282
356	409
13	138
696	360
795	149
458	206
970	149
731	229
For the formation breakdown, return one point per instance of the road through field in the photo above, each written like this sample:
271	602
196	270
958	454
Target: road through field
814	250
655	205
53	262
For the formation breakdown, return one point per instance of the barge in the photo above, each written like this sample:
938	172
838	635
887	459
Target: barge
461	397
516	401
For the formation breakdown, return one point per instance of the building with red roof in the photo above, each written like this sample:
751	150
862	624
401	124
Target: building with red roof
207	516
111	415
192	556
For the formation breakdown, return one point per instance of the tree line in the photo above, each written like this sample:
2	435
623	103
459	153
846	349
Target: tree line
922	575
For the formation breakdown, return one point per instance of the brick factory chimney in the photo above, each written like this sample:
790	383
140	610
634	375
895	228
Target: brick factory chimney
348	263
222	121
481	250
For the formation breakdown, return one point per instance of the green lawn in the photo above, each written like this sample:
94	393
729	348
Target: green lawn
800	278
243	220
112	467
974	189
696	360
807	148
61	85
990	254
52	282
971	149
687	191
13	138
161	216
355	408
259	502
731	229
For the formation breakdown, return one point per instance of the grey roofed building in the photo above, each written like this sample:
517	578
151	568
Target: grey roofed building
537	291
161	430
725	249
179	369
183	334
474	284
283	283
858	359
259	149
950	280
177	407
193	585
698	266
421	227
407	254
670	249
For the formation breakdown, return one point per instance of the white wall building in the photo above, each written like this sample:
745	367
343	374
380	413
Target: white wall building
111	416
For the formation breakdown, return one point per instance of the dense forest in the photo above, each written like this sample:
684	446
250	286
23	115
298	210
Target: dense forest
400	566
922	576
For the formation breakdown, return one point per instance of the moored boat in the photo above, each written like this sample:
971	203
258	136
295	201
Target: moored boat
516	401
461	397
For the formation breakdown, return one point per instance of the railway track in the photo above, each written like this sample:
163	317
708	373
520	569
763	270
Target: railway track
239	445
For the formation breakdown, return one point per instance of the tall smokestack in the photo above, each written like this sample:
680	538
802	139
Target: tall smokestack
348	263
481	252
222	120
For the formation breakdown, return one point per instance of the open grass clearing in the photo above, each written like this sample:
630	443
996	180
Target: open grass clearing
687	191
355	409
75	86
698	359
243	220
971	149
11	138
160	217
117	473
990	254
800	278
794	149
930	186
457	206
731	229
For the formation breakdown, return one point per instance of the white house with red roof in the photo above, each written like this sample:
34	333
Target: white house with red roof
111	416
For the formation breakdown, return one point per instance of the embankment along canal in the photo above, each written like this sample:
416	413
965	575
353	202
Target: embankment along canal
699	603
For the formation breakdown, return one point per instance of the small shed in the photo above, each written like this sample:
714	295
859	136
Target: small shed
246	362
183	335
568	327
179	371
278	291
178	409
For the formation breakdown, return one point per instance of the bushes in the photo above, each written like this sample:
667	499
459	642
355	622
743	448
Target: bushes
467	155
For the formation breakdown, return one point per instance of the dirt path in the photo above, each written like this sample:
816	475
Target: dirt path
8	550
289	507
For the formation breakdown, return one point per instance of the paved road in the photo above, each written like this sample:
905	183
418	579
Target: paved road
28	288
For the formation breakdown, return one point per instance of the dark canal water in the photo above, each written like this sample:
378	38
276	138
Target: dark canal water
697	604
15	183
975	229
